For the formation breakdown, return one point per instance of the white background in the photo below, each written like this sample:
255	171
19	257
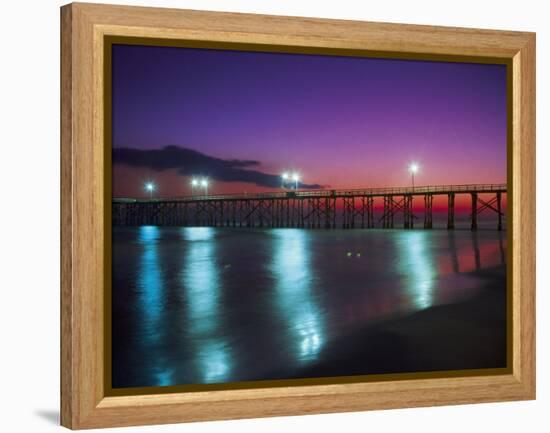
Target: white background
29	217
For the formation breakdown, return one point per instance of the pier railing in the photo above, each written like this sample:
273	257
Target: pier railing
338	193
326	208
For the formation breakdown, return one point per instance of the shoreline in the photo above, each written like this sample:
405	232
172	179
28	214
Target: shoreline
470	334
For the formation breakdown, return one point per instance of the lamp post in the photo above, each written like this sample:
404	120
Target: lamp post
194	184
150	186
296	179
204	184
284	178
413	168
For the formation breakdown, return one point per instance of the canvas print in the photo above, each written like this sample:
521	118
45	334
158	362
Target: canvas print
292	217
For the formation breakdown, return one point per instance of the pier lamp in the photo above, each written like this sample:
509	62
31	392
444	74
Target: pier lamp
413	168
194	184
204	184
284	178
296	179
150	186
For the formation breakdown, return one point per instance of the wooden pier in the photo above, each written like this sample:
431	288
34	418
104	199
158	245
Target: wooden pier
346	208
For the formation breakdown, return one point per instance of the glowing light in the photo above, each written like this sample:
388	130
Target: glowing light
291	266
201	279
194	182
413	169
150	187
164	377
201	294
285	176
150	287
416	264
204	183
296	179
151	304
214	358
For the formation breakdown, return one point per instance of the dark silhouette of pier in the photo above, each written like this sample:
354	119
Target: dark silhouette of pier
346	208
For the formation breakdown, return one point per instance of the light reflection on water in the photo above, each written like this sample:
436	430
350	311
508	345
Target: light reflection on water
150	279
200	280
152	300
416	264
209	305
291	269
202	286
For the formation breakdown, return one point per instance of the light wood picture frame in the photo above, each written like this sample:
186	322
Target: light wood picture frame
86	213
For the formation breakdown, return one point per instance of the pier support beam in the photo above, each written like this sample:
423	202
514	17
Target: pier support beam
303	213
474	211
329	210
407	212
348	213
363	210
451	211
370	212
428	214
387	217
499	210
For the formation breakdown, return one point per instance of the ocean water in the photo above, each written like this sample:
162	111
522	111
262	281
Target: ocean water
198	305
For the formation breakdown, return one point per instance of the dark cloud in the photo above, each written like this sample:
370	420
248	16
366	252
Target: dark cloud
189	162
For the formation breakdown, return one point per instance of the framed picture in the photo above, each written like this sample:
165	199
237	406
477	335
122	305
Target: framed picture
269	216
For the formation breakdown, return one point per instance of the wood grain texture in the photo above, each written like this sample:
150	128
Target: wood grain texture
67	388
524	228
83	401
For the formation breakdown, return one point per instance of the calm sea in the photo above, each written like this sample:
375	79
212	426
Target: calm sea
212	305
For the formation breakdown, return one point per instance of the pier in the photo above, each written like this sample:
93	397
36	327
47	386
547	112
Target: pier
327	208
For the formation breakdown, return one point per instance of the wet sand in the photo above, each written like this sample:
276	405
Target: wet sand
465	335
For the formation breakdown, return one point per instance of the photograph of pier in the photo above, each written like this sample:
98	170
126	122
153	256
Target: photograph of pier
295	216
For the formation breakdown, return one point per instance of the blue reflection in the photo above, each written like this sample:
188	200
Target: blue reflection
202	287
164	377
292	269
214	359
416	263
201	279
198	233
151	303
149	281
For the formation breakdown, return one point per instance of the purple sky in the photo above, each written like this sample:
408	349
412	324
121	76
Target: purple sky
339	121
